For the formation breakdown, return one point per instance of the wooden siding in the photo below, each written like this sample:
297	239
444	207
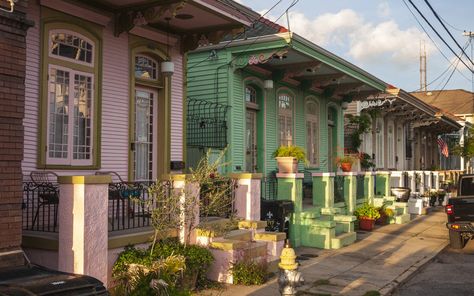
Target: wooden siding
115	96
177	102
30	121
237	120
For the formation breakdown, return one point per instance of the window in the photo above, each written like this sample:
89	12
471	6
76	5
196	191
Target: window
146	68
312	132
391	145
285	119
70	101
379	145
250	95
69	46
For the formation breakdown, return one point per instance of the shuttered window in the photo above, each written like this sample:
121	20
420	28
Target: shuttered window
285	119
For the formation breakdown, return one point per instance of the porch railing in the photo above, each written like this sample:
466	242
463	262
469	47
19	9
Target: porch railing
360	186
339	189
269	187
40	207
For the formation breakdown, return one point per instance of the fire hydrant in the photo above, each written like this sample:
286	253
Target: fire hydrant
290	278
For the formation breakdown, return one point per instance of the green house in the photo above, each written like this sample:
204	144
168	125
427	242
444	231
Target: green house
270	88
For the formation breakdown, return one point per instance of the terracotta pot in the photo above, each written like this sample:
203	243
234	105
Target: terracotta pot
366	224
346	166
287	164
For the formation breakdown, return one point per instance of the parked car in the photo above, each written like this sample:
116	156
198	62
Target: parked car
30	280
460	211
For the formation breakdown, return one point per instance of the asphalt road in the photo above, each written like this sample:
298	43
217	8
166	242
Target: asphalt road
450	273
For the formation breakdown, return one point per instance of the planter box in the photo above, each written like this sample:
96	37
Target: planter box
366	224
287	164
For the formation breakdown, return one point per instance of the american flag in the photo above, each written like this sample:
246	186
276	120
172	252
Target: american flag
443	147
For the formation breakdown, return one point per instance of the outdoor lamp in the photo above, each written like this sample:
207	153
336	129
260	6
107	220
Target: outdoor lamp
167	68
268	84
344	105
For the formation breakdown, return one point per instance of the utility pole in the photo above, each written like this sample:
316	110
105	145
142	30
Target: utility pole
422	66
470	35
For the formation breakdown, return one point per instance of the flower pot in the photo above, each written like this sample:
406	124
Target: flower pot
366	224
287	164
346	166
382	220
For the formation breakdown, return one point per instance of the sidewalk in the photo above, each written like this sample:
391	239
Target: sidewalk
378	261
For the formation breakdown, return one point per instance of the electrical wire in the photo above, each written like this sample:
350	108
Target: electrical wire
238	35
455	28
434	43
449	33
440	37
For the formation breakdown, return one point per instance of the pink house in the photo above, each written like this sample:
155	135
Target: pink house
104	92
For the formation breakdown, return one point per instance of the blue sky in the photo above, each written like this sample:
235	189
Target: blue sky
382	36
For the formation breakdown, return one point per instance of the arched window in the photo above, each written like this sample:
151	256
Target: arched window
285	119
312	132
250	95
71	97
146	68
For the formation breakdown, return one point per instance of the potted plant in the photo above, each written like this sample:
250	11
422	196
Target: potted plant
366	162
345	162
367	214
385	215
288	157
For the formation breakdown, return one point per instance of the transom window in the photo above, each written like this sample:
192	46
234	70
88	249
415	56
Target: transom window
312	132
285	119
250	95
146	68
71	46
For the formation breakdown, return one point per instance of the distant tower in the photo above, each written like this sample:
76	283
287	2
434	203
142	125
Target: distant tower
422	65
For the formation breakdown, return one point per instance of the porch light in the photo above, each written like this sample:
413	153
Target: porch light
344	105
268	84
167	68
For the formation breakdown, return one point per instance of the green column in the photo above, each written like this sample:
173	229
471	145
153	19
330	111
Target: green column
290	187
382	183
323	190
349	190
369	187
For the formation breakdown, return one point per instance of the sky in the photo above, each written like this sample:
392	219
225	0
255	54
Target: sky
383	37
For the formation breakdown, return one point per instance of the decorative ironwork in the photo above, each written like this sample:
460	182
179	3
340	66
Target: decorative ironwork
269	187
223	208
360	186
339	189
206	124
40	207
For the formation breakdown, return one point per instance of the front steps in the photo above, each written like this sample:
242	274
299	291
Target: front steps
248	242
400	209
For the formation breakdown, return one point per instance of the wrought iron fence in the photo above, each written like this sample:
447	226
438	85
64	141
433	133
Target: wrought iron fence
269	188
339	189
131	204
40	207
360	186
218	198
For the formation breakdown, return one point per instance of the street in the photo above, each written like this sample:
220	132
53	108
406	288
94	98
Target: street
450	273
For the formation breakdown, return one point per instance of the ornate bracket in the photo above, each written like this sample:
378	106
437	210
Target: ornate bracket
258	58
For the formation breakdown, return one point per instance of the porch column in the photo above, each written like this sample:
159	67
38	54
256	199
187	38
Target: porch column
290	187
382	183
83	220
189	197
427	175
396	179
435	180
368	186
411	181
323	190
349	190
247	196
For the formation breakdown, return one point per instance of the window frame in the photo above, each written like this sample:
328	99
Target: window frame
313	119
288	116
145	80
73	33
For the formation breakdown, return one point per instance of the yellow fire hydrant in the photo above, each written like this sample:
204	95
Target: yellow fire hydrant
290	278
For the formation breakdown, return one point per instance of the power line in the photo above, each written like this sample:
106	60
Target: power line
440	37
451	35
455	28
434	43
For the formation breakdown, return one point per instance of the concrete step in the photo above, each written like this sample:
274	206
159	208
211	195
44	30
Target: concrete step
400	219
239	234
248	224
343	240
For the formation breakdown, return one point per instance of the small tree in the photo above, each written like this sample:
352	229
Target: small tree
363	125
465	150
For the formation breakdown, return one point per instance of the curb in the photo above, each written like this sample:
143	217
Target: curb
391	287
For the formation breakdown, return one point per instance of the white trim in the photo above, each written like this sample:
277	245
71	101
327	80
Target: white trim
313	118
323	174
74	33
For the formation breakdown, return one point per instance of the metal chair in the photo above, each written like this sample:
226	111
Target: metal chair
46	183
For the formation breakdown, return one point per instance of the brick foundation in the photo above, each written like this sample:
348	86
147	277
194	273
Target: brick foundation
13	27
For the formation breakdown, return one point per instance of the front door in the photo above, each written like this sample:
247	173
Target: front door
251	141
144	144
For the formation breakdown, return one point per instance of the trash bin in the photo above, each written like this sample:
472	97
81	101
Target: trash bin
277	214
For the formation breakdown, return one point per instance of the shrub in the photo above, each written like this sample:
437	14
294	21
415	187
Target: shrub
291	151
249	273
367	211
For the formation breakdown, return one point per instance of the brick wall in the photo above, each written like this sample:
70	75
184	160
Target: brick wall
13	27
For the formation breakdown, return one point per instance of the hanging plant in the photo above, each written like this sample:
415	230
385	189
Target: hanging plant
363	124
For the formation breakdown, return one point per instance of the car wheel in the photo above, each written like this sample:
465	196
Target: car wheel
456	240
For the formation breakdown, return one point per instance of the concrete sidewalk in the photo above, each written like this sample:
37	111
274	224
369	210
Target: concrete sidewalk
378	261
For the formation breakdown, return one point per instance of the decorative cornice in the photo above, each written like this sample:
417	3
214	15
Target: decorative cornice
17	21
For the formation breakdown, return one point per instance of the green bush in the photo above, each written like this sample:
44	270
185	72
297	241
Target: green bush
367	211
249	273
196	260
291	151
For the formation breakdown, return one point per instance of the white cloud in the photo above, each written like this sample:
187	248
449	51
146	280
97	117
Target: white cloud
364	41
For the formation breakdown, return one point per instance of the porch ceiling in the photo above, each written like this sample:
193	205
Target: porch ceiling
317	75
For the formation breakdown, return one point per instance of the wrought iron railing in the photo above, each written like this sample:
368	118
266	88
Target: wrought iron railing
218	198
339	189
360	186
131	204
40	207
269	188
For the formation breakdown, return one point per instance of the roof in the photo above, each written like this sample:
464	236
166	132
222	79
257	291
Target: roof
456	101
